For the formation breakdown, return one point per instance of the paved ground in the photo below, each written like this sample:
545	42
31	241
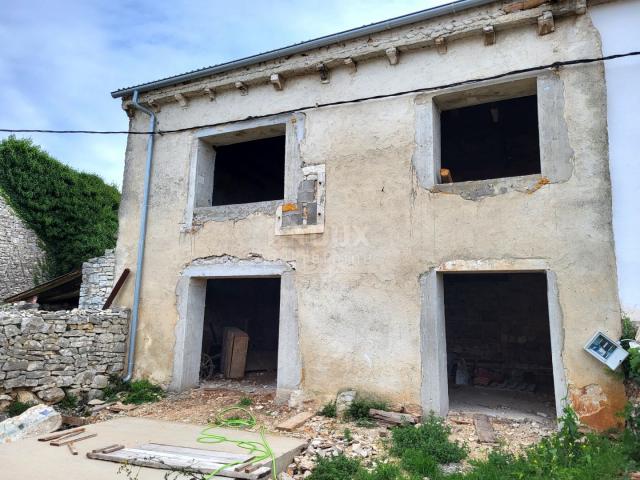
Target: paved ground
32	459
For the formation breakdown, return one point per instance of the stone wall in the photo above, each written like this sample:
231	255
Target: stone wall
97	281
20	253
45	352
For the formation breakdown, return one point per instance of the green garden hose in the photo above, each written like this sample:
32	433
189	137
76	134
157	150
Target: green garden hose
259	450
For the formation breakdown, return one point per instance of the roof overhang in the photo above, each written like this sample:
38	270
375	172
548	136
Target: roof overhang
320	42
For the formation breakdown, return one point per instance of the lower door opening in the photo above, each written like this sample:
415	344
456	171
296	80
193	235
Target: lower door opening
499	344
240	332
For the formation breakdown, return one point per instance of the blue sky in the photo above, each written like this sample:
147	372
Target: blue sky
60	59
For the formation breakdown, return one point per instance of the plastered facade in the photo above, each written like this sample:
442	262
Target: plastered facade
358	287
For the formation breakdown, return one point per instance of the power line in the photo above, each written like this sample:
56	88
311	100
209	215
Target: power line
553	65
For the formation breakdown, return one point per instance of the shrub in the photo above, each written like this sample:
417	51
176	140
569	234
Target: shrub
74	214
69	402
245	402
328	410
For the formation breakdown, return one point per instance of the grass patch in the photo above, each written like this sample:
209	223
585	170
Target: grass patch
136	391
328	410
359	408
16	408
336	468
347	436
430	439
245	402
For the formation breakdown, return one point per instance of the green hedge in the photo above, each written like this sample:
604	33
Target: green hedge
74	214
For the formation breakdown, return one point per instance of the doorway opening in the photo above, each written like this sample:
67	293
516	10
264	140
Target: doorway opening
241	330
498	340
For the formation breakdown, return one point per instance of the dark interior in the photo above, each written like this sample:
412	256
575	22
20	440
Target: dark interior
250	304
497	330
249	172
491	140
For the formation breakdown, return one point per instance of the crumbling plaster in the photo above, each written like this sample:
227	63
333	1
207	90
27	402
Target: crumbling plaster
357	285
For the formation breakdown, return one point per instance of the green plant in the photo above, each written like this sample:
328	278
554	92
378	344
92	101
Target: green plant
136	391
384	471
359	408
69	402
430	439
328	410
245	402
16	408
339	467
629	330
74	214
347	436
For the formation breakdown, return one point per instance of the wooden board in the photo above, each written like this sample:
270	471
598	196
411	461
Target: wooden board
235	344
73	439
60	434
295	421
392	417
484	429
180	458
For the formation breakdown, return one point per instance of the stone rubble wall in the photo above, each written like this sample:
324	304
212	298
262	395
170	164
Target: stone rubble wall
45	352
20	253
98	277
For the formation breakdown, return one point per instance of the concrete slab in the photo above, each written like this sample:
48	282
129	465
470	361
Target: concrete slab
29	458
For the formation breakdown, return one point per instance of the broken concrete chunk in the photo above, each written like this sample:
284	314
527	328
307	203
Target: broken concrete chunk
25	396
36	421
344	401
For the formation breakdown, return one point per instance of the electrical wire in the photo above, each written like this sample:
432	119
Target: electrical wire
259	450
554	65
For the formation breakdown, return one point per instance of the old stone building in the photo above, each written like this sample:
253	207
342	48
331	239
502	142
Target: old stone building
20	253
416	209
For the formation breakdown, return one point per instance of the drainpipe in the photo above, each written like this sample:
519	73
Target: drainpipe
133	328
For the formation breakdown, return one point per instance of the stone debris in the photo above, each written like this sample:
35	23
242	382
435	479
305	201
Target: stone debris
35	421
344	401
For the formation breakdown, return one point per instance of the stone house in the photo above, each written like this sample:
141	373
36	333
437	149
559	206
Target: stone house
416	209
20	253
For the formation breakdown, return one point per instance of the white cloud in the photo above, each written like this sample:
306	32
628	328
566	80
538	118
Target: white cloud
61	59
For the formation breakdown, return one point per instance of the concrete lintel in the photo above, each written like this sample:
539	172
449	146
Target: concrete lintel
222	213
230	267
242	126
494	265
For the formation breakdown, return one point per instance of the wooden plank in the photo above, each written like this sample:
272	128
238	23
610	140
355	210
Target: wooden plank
168	461
60	434
64	441
484	429
116	288
72	449
202	453
295	421
235	344
108	449
392	417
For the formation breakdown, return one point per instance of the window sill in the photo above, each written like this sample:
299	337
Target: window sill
477	189
223	213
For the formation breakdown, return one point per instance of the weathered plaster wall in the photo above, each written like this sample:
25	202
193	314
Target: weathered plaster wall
20	253
44	351
97	281
618	23
358	283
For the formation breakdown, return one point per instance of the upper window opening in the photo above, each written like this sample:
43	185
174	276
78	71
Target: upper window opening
490	140
248	172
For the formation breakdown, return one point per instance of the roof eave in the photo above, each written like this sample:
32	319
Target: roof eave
320	42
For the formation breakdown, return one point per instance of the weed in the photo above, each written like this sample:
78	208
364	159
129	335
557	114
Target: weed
16	408
245	402
346	435
430	439
365	423
384	471
69	402
136	391
339	467
359	408
629	330
328	410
